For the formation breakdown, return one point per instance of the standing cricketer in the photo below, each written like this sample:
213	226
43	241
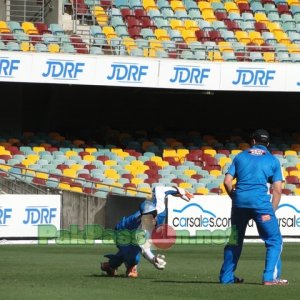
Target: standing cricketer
254	169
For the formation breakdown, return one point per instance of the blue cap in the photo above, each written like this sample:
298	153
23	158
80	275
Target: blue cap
148	207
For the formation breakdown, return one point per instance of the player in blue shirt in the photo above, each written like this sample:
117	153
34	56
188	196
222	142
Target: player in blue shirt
255	170
150	215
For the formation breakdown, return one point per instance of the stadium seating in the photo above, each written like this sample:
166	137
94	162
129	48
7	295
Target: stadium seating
90	169
272	23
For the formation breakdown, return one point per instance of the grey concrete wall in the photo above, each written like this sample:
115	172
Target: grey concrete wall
81	210
53	12
2	10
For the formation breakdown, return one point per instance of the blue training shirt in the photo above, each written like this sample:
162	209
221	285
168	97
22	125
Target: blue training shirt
254	169
130	222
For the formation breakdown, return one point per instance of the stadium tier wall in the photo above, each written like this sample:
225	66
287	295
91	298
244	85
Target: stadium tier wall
73	110
81	209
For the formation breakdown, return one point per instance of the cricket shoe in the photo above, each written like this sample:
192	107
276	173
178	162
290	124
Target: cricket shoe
238	280
132	272
276	282
106	268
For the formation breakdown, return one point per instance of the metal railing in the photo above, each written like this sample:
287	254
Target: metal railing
27	10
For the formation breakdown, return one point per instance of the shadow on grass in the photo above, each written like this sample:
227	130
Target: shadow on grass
204	282
106	276
123	276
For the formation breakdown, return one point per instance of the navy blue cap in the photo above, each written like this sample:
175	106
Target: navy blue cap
261	135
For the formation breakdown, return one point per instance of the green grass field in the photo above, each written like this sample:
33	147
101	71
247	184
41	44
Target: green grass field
72	272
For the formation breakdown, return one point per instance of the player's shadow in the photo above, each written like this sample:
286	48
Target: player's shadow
105	276
123	276
203	282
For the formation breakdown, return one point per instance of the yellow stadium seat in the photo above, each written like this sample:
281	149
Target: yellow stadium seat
3	151
293	48
109	32
161	34
208	15
225	46
110	162
231	7
204	6
235	151
185	185
191	25
76	167
70	173
137	180
42	175
29	28
261	17
149	4
188	35
97	10
215	56
274	27
102	20
146	190
169	153
26	46
269	56
182	153
53	48
295	173
282	37
102	186
224	160
256	37
215	173
177	5
211	152
129	44
189	172
89	158
202	190
90	150
33	158
38	149
130	167
177	24
64	186
293	2
162	163
137	163
4	28
111	173
70	153
155	44
242	36
5	167
290	152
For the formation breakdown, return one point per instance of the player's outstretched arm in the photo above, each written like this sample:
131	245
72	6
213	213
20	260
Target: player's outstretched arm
185	195
157	260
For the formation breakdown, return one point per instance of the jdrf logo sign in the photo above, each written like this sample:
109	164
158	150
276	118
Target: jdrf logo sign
5	214
8	66
63	69
254	77
39	215
127	72
189	75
